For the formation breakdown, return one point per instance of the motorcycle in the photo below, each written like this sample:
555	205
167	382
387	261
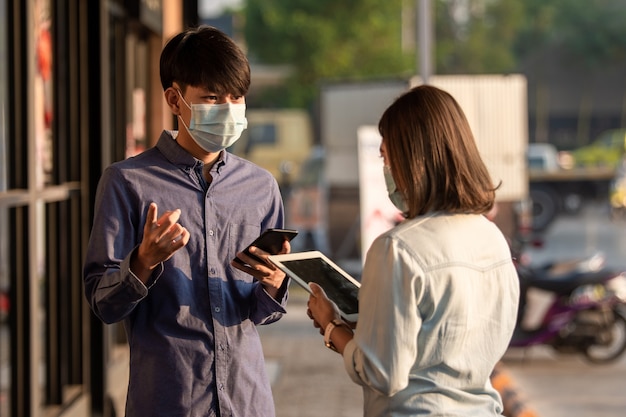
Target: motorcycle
584	309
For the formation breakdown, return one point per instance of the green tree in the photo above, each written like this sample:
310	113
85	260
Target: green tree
590	33
585	41
356	39
476	36
326	39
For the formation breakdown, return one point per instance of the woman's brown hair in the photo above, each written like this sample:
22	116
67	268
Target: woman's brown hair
433	155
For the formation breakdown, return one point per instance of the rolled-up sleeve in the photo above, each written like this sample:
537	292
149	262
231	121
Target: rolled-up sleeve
385	344
110	288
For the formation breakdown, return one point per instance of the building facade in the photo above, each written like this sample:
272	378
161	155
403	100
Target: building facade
79	89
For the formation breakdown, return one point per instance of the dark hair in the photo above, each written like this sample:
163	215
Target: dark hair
433	156
205	57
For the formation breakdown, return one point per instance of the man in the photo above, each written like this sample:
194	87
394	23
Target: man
168	224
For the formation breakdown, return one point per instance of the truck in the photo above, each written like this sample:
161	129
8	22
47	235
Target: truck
562	182
322	176
496	108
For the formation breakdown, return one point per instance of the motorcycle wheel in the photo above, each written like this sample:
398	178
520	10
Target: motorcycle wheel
600	354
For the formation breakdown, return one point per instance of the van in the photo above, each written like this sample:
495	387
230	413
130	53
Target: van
279	140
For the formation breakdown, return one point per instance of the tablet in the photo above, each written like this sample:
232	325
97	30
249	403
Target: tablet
314	266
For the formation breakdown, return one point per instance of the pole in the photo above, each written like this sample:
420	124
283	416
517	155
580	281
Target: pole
425	39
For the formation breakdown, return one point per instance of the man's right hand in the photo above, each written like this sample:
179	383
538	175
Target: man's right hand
161	238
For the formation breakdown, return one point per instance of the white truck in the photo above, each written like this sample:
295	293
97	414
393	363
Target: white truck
323	199
496	108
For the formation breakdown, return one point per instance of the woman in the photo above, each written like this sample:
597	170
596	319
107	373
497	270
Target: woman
439	294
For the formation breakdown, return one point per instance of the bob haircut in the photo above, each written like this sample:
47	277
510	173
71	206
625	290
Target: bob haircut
205	57
433	156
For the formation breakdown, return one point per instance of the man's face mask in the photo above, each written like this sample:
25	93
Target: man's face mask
215	127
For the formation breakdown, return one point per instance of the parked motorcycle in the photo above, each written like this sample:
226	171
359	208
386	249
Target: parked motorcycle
584	309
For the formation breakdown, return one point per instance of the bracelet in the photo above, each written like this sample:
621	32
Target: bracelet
328	331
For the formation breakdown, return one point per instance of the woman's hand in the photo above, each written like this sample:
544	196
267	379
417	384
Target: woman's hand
320	308
322	311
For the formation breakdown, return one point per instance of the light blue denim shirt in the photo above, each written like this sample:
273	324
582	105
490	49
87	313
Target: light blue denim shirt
193	342
437	308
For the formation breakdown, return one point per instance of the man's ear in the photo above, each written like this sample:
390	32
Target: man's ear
172	98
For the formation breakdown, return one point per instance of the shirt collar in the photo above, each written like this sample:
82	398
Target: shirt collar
175	153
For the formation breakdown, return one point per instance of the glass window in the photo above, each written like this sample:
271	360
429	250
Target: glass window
42	86
5	334
137	77
264	134
3	97
5	303
43	110
253	136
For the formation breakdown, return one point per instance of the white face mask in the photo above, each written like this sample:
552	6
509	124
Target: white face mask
395	196
215	127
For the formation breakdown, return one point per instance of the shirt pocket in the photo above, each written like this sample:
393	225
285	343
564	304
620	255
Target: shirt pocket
240	236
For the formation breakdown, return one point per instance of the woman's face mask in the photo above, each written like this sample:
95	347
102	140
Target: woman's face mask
395	195
215	127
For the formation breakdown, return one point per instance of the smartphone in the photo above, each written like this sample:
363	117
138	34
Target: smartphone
271	241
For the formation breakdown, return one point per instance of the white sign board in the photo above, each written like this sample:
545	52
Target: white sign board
378	214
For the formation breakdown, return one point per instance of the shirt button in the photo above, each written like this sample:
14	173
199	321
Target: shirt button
210	232
212	271
217	309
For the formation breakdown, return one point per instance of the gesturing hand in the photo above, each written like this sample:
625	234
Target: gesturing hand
161	238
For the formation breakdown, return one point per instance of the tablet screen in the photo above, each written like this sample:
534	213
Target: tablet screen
339	289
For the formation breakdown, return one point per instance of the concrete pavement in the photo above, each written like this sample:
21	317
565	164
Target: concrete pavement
308	379
559	385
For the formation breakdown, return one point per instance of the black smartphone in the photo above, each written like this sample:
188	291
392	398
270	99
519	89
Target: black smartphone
271	241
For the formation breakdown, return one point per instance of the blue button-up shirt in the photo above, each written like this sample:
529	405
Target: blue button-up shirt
194	347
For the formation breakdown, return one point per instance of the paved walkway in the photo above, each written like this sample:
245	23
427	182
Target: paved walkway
308	379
